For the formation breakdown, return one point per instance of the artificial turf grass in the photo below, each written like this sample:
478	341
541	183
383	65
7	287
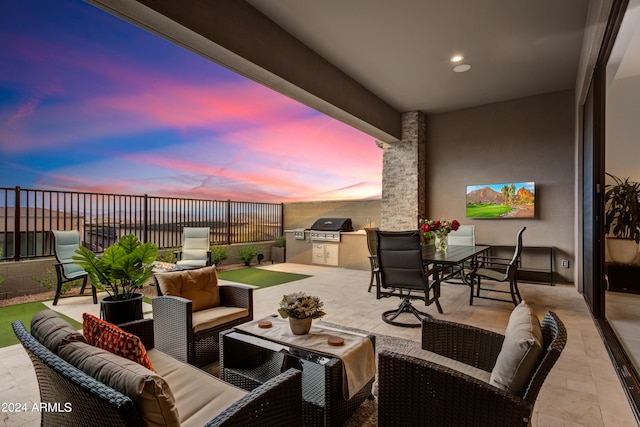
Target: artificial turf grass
23	312
260	277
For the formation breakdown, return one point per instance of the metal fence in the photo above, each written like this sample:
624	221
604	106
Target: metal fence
101	218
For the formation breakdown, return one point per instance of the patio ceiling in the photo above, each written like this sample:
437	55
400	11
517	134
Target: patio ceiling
400	50
367	61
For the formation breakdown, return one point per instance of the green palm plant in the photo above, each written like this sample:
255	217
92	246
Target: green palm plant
622	205
123	268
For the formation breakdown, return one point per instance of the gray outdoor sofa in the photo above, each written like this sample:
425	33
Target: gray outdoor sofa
83	400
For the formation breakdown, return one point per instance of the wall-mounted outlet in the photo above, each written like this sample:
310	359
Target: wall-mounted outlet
565	263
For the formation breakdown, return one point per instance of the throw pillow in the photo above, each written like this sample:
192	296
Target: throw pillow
521	350
198	285
109	337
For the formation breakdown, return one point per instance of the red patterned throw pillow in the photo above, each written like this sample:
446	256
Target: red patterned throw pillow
109	337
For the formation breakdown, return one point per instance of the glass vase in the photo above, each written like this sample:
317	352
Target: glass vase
442	241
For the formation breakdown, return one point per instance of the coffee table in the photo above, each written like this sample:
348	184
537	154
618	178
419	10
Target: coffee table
248	361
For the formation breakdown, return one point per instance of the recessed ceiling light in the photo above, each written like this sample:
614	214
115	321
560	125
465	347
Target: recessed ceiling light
461	68
457	58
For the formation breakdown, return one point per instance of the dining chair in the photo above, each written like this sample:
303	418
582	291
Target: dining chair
372	246
402	273
499	270
65	243
465	235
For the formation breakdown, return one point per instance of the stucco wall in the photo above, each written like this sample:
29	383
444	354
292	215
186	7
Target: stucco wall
528	139
363	213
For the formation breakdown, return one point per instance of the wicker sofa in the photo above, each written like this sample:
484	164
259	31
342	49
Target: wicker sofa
451	385
199	398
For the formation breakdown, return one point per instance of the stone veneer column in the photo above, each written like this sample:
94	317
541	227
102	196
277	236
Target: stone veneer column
403	176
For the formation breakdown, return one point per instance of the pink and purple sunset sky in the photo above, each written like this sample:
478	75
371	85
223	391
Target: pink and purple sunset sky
89	102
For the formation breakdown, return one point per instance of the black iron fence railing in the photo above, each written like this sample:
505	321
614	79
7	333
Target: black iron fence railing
27	217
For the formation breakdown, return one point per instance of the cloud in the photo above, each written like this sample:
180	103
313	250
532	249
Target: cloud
108	107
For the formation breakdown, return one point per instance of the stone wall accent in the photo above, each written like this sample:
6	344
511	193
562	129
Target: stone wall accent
403	175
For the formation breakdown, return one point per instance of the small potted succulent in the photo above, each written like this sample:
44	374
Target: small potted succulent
301	309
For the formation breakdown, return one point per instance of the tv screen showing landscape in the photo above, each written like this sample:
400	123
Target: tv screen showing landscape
504	200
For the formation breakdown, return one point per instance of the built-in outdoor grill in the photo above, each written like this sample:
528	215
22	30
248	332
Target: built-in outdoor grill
325	236
329	229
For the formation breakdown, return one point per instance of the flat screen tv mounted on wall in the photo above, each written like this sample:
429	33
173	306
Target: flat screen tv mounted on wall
504	200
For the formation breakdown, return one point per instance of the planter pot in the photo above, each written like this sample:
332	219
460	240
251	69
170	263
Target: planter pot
622	251
278	254
121	311
300	326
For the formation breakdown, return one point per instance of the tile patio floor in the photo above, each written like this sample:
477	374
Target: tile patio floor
581	390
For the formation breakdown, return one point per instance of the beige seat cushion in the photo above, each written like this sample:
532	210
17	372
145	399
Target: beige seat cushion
192	262
199	396
212	317
149	392
521	350
51	330
198	285
472	371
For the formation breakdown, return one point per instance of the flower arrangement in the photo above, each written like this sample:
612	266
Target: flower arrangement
301	306
441	228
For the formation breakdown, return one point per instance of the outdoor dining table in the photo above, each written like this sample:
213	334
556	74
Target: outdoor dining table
453	257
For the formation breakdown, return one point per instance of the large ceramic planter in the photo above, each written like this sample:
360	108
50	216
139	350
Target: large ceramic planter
622	251
278	254
121	311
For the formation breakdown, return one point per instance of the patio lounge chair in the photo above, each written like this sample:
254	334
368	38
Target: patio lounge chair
64	247
191	310
449	384
196	251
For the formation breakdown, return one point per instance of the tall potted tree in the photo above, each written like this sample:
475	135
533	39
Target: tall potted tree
622	219
123	268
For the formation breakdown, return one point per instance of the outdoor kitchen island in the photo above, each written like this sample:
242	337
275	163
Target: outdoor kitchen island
349	251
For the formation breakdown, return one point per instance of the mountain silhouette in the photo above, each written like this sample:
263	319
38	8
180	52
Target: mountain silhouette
483	196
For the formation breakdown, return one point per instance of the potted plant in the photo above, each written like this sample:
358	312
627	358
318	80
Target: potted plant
278	251
622	219
301	309
123	268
